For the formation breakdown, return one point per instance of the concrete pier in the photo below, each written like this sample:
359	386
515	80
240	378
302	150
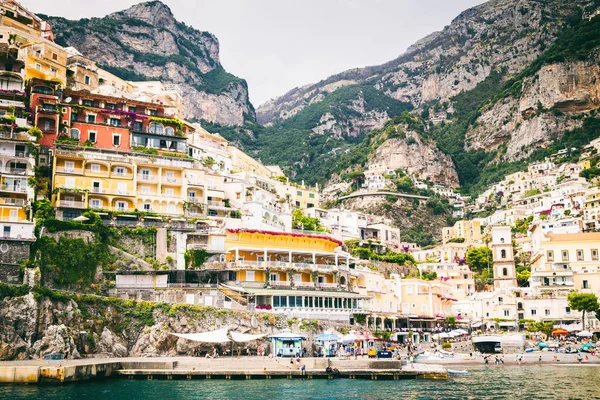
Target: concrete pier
172	368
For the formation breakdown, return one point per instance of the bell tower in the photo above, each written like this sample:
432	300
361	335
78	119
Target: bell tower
505	273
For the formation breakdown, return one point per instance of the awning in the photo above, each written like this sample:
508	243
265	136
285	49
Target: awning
286	334
218	336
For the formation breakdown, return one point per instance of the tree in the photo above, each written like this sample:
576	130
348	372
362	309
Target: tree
479	258
304	222
584	302
357	177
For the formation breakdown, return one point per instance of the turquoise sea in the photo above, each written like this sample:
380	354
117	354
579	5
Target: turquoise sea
492	382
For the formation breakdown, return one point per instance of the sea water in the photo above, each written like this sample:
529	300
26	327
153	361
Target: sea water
485	382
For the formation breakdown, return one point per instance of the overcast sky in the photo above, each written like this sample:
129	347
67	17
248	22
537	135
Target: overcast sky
277	45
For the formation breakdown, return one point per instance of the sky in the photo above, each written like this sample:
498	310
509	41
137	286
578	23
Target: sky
277	45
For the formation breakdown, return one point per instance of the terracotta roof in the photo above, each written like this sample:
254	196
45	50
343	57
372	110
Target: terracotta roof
573	237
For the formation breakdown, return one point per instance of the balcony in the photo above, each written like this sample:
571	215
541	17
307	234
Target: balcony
14	188
212	203
327	286
124	175
195	200
283	284
148	193
166	180
98	190
15	171
147	178
70	204
67	170
12	202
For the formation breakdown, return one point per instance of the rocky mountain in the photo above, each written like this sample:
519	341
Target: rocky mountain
498	85
147	42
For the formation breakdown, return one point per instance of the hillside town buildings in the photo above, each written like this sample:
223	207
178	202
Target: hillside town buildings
89	141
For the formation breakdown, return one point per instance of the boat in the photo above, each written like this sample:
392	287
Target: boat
458	371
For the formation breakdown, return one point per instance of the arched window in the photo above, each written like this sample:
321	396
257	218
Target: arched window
156	128
520	306
75	133
504	272
169	131
501	240
503	253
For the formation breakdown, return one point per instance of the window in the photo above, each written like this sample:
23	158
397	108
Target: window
70	183
122	188
54	56
69	166
153	113
274	277
299	193
533	312
311	195
424	307
595	254
585	284
503	254
88	103
138	126
132	109
169	131
500	300
92	136
250	276
579	255
47	125
147	207
565	255
504	271
111	106
568	310
116	139
121	206
96	187
95	203
38	66
6	231
95	168
75	133
169	192
547	311
550	255
114	121
87	80
171	209
91	118
409	290
120	171
156	128
507	313
297	204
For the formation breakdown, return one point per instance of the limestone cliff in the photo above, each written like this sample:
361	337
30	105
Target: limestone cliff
549	104
42	321
147	42
498	33
419	158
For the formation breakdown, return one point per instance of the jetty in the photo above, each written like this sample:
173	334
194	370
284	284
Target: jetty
245	368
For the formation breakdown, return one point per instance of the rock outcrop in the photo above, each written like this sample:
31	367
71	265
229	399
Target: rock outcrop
419	158
147	40
496	34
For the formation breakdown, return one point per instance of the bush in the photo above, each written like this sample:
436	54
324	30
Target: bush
446	345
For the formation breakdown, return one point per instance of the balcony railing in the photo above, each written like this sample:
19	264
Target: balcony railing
71	204
146	178
14	189
194	200
213	203
327	285
98	190
12	202
67	170
280	284
171	180
15	171
122	174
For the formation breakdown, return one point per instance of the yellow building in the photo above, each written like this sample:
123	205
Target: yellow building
300	274
470	230
117	181
305	197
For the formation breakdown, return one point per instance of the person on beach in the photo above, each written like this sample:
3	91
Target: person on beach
540	359
215	353
579	358
502	359
303	369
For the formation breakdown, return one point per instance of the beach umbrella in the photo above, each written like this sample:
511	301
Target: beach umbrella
461	331
350	338
328	337
81	218
560	332
585	334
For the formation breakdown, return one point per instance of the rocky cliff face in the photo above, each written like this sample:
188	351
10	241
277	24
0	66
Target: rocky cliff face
147	42
499	33
417	157
36	324
546	108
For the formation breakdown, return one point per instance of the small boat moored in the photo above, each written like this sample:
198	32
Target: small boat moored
458	372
